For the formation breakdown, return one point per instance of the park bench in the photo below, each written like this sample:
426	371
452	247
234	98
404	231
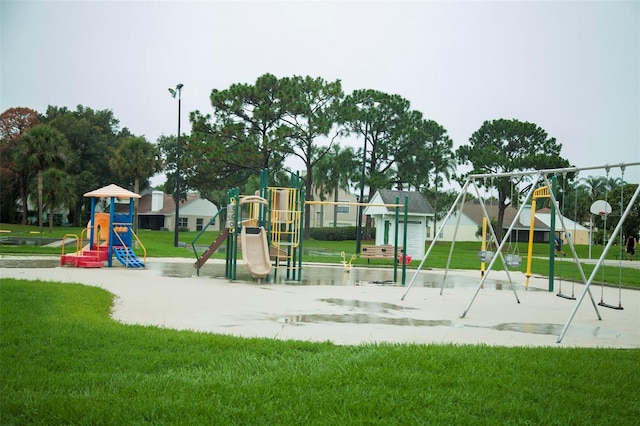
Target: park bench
379	252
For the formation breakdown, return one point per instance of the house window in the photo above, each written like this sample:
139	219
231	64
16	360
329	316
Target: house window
183	222
199	222
343	209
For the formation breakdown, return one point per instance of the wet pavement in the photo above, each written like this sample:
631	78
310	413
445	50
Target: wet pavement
360	306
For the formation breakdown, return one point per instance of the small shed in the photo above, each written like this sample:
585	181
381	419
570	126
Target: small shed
418	215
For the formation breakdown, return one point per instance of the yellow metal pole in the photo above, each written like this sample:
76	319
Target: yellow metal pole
530	246
484	243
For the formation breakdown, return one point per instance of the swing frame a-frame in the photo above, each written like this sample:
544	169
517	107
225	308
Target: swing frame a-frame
538	176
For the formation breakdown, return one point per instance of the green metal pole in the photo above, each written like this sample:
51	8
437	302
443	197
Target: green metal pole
301	206
227	258
552	234
395	243
404	243
234	239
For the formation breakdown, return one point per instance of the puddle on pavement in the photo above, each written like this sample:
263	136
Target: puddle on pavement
35	241
360	319
375	307
311	274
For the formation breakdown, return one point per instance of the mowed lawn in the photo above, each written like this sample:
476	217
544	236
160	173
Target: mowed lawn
63	360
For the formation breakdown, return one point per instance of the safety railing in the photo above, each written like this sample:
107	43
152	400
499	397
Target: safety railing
123	228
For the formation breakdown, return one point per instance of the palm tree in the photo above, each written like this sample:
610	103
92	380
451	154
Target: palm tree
42	147
334	172
595	185
444	168
58	191
138	159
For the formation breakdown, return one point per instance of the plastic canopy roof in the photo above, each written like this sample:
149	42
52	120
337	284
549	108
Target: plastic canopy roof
112	191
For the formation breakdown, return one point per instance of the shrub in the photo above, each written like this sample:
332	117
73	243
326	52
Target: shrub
340	233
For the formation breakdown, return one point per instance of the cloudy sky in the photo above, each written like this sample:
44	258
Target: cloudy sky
571	67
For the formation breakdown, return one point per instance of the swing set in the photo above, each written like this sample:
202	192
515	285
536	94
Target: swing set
533	192
605	214
513	258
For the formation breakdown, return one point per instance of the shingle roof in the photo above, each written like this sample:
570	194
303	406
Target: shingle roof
168	204
473	210
418	203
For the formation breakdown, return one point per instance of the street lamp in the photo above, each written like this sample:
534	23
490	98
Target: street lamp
178	91
367	103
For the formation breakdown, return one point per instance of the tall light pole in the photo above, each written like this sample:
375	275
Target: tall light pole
178	91
367	103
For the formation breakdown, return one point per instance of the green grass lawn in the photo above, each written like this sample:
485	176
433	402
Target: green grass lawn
64	361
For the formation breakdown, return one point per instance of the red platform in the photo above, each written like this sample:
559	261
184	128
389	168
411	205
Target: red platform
86	258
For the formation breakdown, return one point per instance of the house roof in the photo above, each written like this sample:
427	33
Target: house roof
473	209
418	203
168	204
545	217
111	191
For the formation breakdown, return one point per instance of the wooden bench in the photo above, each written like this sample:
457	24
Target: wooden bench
379	252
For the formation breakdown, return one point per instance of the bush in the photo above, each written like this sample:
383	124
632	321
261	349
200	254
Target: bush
340	233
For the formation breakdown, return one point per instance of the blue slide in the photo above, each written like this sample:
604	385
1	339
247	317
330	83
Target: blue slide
127	257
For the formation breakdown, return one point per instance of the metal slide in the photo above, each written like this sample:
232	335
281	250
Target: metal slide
255	251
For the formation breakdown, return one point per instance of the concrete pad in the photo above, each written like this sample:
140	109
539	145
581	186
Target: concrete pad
358	312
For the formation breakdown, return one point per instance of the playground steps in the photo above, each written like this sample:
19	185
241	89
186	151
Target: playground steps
85	258
127	257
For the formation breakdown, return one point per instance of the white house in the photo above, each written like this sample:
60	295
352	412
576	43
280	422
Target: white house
419	212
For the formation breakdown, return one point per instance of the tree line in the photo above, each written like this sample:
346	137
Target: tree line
61	154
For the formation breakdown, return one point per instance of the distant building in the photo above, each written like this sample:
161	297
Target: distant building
322	215
579	234
384	217
157	210
471	221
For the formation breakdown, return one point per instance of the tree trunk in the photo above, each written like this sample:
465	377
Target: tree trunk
51	206
367	229
335	208
24	197
307	207
502	206
136	189
40	190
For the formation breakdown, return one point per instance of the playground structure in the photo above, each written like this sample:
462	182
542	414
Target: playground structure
267	227
547	190
109	234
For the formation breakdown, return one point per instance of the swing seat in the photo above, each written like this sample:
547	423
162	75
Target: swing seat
564	296
606	305
485	255
514	260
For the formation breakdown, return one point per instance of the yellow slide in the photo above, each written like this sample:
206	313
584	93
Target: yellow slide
255	251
